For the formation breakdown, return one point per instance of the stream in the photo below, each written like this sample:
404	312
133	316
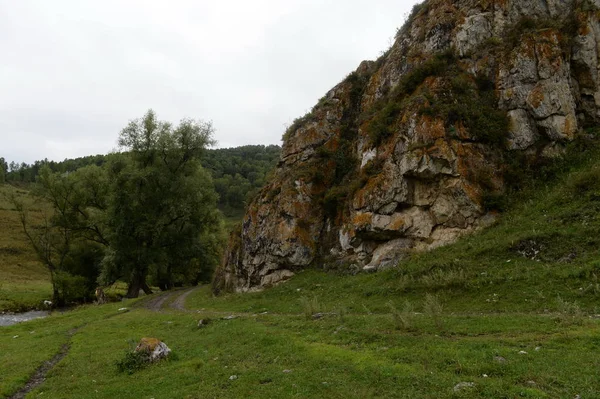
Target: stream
10	319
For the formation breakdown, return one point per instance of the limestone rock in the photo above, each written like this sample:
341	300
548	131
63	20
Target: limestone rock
154	347
389	161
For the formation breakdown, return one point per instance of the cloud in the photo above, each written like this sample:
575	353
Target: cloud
75	72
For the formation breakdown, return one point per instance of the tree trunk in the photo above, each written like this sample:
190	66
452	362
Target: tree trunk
146	289
137	283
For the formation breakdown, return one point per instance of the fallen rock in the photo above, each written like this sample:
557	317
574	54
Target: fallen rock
155	348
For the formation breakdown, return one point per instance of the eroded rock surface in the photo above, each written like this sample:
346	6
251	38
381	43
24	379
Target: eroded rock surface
400	155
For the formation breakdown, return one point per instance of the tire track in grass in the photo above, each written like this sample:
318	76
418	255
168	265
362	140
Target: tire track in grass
40	374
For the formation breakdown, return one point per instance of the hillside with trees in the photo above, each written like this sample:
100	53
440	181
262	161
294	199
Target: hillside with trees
146	216
237	173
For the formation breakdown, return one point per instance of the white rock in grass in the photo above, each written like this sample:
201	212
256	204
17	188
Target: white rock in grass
463	385
233	377
156	348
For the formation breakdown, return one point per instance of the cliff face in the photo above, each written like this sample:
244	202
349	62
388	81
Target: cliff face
404	153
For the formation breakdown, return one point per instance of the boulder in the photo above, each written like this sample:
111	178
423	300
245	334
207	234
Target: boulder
155	348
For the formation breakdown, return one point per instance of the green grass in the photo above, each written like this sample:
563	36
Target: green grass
24	281
513	309
286	355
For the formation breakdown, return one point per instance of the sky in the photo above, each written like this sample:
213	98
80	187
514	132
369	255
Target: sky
74	72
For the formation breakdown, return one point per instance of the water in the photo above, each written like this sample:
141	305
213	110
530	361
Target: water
10	319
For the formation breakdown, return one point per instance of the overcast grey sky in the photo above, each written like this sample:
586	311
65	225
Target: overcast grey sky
74	72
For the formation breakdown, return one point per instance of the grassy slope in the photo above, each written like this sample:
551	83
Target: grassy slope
529	283
24	281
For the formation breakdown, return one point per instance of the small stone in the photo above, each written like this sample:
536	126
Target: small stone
122	309
233	377
463	385
531	383
230	317
485	375
287	371
537	348
522	353
499	359
16	336
317	316
203	322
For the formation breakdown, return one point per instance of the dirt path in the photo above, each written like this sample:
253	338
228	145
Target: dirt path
40	374
179	303
175	297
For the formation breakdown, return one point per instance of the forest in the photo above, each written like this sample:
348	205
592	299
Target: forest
150	214
237	173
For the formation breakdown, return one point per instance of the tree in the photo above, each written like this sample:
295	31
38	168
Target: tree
3	170
70	241
162	212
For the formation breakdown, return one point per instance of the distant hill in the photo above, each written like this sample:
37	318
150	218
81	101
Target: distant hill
238	173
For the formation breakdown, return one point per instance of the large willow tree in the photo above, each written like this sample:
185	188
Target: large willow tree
163	220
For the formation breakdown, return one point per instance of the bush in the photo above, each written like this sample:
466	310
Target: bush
133	361
71	288
433	308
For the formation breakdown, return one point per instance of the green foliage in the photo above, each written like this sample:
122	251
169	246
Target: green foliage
310	306
297	123
433	308
473	103
569	313
133	361
162	214
3	170
238	173
403	319
72	288
383	115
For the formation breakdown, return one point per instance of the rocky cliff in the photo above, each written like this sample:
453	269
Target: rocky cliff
406	153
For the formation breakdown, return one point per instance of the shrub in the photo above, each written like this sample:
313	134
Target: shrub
403	319
433	308
133	361
70	288
569	313
310	306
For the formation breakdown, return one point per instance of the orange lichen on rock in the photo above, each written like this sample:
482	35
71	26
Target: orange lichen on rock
536	96
362	220
147	344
